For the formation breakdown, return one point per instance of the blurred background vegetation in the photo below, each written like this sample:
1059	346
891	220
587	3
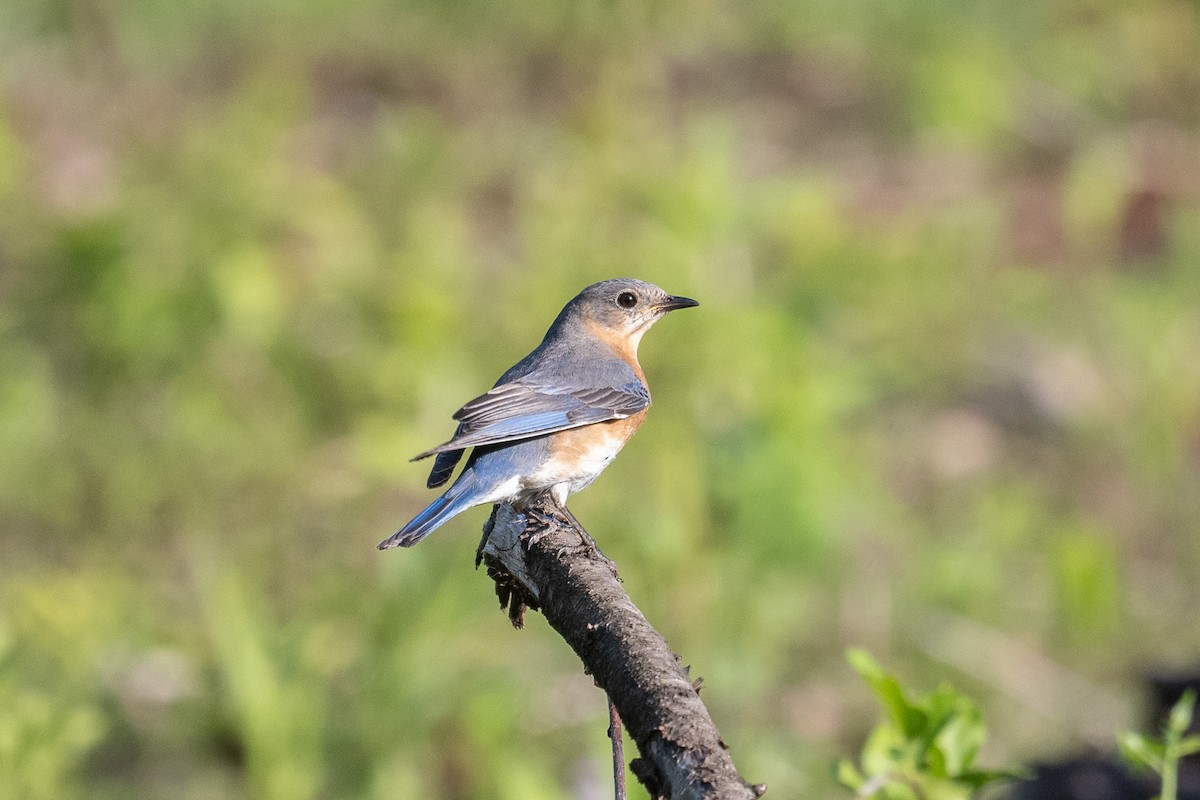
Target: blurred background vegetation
941	400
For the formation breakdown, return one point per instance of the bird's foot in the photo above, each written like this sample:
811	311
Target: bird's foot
538	526
543	522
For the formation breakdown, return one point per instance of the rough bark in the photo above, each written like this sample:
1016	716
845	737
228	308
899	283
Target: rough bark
537	561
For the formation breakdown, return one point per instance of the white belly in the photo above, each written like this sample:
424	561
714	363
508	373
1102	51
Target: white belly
577	465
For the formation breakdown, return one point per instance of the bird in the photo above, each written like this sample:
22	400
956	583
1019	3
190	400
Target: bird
558	417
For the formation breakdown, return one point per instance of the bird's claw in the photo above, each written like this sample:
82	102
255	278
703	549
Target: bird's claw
542	522
538	526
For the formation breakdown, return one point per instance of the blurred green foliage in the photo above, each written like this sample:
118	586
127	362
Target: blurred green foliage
942	398
923	748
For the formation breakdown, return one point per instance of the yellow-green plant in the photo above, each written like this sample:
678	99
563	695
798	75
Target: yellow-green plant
1163	755
924	749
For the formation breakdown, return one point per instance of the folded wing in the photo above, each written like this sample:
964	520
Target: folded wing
515	411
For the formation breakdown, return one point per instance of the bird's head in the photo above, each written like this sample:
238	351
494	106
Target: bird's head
625	308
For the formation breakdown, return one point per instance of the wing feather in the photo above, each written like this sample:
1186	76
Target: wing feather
515	411
443	465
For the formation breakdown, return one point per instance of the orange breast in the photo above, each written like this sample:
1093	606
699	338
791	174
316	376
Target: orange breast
578	455
614	433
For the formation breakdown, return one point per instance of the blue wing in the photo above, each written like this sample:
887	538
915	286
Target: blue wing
516	410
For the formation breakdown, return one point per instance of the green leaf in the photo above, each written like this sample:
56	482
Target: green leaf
924	747
979	778
934	761
1181	713
909	719
961	737
1141	751
885	751
1189	745
848	774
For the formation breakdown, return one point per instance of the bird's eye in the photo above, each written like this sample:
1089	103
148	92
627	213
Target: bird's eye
627	299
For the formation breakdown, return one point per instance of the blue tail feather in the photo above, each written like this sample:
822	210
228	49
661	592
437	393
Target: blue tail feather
455	501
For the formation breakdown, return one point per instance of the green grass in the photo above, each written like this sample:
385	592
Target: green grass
252	256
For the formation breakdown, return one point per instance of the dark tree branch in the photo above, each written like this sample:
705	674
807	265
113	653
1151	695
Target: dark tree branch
618	750
537	561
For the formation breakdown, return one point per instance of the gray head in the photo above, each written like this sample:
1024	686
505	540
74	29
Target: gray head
622	309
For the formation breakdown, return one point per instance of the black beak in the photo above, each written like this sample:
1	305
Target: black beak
674	302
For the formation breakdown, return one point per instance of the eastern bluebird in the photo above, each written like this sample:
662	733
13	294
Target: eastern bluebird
555	420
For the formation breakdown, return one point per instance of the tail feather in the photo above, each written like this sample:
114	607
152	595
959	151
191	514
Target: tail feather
455	501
